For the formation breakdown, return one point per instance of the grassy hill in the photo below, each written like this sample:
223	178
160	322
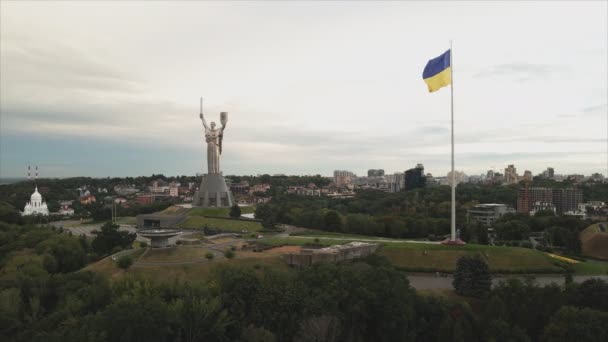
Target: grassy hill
198	271
595	241
422	257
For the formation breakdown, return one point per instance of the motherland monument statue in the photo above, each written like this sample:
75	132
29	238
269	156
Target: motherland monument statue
213	191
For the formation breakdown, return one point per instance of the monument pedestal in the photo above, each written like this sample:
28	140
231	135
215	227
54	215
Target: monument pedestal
213	192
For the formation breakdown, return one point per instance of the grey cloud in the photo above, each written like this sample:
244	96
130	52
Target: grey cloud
61	66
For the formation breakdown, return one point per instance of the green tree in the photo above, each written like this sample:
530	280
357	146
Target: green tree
581	325
229	254
472	277
512	230
266	213
125	262
592	293
235	211
209	256
109	237
332	220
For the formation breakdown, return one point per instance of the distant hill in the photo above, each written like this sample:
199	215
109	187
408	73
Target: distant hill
11	180
595	241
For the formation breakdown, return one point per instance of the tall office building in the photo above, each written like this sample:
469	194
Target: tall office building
375	173
415	178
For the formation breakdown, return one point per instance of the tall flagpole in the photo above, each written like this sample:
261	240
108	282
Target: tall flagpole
453	236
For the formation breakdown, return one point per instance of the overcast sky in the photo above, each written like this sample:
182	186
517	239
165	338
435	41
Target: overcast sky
112	88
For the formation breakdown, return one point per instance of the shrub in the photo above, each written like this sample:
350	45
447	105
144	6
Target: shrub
179	242
526	244
209	256
143	244
229	254
125	262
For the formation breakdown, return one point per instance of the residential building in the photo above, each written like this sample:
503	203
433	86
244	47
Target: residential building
461	177
527	197
343	177
567	199
511	175
527	176
240	188
563	200
174	189
576	178
87	199
548	173
125	190
542	206
488	213
259	188
159	186
145	199
597	177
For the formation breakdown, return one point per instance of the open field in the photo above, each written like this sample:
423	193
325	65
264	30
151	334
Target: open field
237	226
595	242
591	267
443	258
221	212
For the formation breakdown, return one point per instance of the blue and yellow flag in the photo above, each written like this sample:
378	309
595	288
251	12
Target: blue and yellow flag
438	72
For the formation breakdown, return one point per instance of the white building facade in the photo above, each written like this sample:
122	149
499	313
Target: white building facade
35	206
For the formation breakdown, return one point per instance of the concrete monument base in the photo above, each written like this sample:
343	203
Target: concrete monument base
213	192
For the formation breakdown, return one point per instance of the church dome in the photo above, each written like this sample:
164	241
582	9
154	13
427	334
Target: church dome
36	196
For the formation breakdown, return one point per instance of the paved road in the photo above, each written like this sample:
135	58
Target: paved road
432	282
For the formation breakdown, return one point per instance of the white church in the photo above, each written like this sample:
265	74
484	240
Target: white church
35	206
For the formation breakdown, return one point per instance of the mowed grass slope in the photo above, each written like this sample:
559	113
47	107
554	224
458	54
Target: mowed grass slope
192	272
423	257
595	242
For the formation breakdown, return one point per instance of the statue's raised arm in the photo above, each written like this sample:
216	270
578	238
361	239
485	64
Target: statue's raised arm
202	116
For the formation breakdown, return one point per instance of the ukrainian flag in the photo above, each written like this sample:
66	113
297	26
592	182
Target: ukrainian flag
438	72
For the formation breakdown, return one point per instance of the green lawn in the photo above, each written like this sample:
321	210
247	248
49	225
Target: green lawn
421	257
199	222
220	212
591	267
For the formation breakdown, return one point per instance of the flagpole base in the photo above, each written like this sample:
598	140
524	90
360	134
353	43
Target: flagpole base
456	242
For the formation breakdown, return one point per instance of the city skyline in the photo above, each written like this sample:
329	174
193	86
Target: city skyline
86	92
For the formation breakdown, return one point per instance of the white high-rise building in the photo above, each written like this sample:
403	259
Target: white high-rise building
35	206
